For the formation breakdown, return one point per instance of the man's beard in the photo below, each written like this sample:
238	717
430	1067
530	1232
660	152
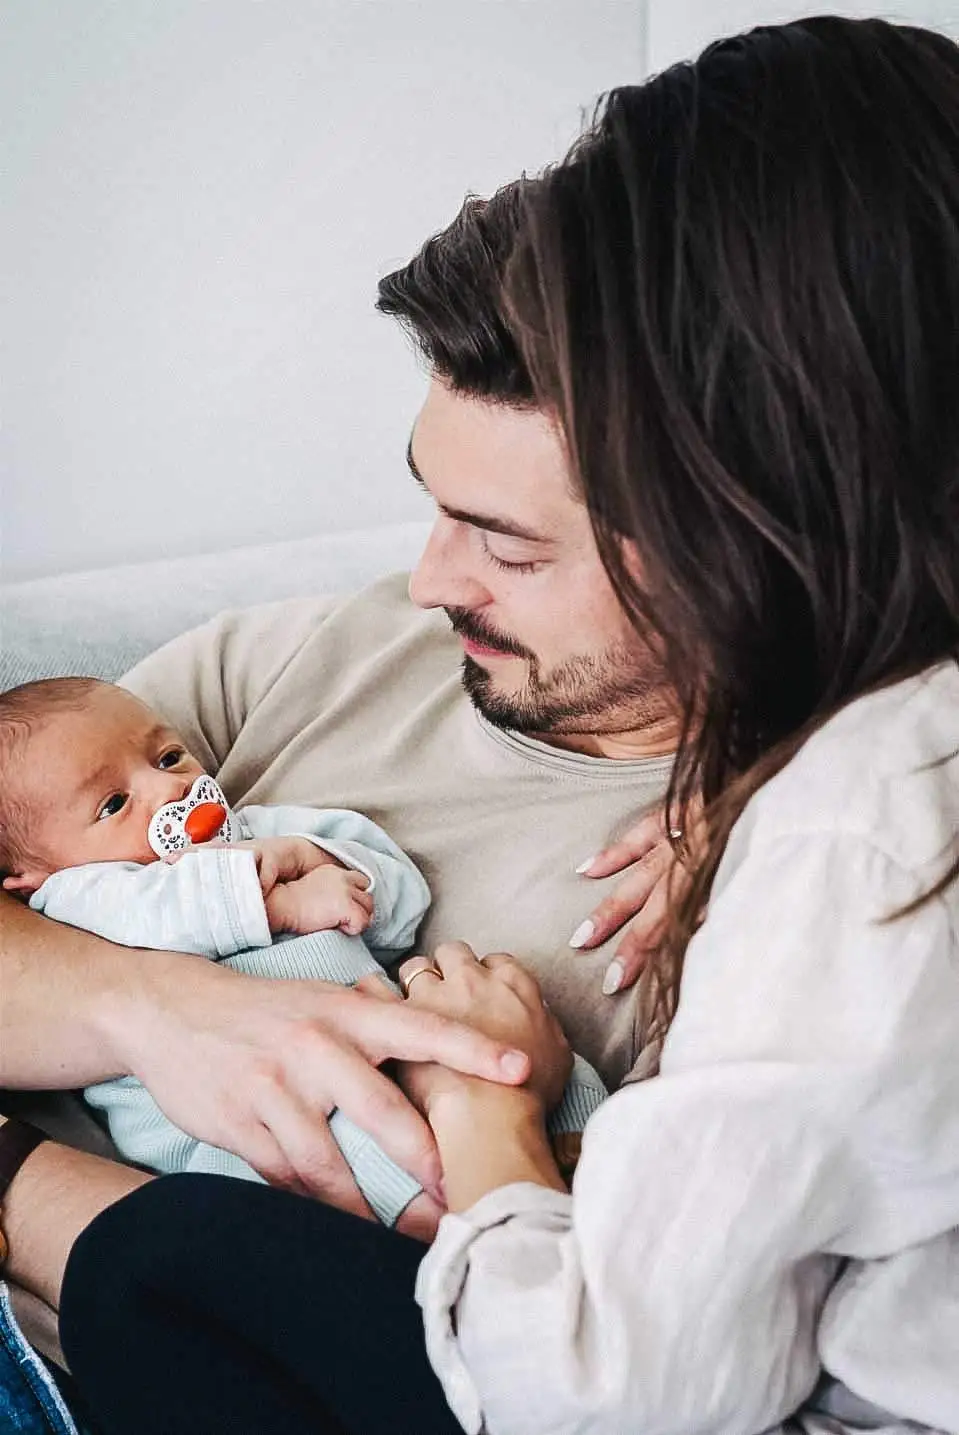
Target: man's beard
612	691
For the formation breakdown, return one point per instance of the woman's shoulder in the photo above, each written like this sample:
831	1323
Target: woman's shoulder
884	769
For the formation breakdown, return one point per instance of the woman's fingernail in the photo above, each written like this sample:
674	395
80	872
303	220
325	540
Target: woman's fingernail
613	977
514	1063
585	866
582	934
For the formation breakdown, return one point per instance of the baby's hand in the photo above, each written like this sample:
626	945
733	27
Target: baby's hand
286	859
326	899
278	859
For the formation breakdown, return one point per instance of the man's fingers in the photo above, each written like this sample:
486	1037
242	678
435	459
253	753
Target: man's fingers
414	1034
378	1106
256	1144
313	1161
378	986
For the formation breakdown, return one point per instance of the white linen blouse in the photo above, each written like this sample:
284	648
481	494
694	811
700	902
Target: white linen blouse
782	1200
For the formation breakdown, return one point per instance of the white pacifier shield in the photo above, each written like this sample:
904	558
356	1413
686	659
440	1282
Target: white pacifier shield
168	827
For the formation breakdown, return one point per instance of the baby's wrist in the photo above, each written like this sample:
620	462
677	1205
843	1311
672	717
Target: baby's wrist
279	914
315	856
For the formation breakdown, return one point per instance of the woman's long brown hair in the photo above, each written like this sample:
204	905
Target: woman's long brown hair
740	296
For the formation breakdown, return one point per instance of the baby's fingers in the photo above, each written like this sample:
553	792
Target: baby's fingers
357	914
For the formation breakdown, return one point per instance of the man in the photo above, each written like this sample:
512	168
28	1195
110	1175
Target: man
501	736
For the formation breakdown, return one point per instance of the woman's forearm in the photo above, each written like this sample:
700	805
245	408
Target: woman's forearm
65	998
490	1136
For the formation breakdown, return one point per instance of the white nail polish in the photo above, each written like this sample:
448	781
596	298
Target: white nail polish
613	978
582	934
585	866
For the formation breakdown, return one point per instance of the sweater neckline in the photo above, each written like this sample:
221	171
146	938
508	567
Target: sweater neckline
574	764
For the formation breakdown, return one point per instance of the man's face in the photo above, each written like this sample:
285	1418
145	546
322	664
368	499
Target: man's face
512	559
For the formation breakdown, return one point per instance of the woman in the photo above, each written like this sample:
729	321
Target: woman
738	298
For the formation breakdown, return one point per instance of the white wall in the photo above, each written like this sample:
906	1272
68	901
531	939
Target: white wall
678	29
201	195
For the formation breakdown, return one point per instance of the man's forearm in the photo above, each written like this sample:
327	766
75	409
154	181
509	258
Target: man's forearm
62	998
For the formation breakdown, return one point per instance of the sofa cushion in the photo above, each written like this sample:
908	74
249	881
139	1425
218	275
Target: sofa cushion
104	621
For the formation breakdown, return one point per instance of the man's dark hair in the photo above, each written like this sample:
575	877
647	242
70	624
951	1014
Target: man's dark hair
739	295
450	300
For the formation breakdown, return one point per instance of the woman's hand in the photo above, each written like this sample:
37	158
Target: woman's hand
498	997
654	874
488	1135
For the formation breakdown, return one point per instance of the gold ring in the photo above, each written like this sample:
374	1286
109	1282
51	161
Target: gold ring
407	982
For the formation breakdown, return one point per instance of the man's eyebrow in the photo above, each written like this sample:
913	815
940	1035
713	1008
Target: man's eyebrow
487	521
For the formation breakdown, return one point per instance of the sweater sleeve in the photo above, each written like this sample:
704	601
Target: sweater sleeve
208	903
807	1110
400	893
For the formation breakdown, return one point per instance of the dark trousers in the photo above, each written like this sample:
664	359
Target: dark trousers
200	1304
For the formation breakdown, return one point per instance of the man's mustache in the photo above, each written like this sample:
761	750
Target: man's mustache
468	626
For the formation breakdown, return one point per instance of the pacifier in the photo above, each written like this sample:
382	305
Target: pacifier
197	818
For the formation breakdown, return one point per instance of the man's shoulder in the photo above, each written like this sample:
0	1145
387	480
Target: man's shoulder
287	655
267	637
383	609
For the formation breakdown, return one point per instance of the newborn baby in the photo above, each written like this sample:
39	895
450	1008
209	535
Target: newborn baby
95	788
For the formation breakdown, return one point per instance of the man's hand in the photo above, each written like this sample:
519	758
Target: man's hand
256	1066
653	876
326	899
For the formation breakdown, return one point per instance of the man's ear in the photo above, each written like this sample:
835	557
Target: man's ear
23	885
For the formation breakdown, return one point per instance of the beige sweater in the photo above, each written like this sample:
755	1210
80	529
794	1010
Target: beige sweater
359	704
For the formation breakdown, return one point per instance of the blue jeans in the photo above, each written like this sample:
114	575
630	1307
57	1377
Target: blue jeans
30	1403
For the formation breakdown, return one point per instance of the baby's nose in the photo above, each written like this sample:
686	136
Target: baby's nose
168	787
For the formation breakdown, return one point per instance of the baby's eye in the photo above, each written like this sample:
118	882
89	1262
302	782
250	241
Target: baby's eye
172	758
112	806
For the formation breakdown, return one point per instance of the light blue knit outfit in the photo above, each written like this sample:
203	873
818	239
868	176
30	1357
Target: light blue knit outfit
210	903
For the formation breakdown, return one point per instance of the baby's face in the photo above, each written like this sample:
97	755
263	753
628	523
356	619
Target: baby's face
89	782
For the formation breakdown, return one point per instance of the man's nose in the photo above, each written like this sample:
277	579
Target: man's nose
444	577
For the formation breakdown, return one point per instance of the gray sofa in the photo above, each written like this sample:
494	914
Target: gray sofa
103	621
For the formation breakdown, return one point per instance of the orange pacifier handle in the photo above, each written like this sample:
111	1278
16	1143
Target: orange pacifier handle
204	821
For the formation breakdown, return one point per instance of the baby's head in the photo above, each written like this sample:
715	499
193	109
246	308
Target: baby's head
84	765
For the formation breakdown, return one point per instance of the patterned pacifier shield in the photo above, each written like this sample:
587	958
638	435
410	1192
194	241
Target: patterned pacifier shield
199	817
